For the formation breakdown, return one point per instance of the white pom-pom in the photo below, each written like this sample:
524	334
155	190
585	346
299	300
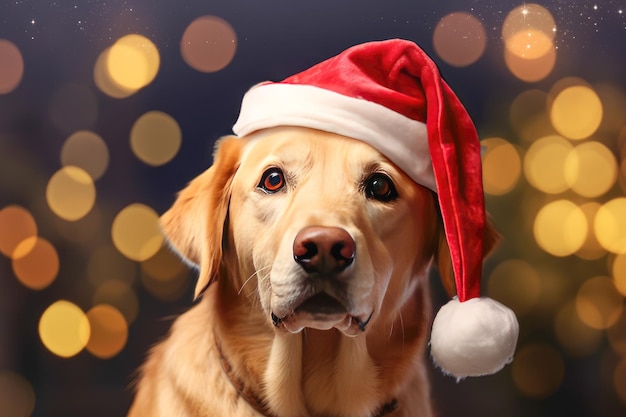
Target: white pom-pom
473	338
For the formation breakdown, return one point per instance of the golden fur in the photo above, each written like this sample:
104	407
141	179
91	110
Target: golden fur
242	238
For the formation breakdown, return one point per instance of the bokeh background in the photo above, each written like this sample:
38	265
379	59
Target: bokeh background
107	108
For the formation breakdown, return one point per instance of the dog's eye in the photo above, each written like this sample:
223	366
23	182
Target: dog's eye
380	187
272	180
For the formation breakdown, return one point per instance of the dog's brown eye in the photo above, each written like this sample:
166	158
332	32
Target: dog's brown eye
380	187
272	180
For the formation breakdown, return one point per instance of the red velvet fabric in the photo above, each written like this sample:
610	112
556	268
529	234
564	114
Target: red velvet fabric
397	74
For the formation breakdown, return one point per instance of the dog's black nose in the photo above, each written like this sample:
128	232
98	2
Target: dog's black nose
324	250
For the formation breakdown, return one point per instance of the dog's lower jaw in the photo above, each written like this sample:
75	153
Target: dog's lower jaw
348	324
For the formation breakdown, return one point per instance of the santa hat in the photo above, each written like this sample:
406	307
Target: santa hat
391	95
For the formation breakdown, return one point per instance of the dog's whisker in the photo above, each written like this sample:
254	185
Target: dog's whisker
256	273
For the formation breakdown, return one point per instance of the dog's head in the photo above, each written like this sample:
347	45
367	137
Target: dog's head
323	229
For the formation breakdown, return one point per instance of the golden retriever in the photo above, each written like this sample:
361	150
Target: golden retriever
313	252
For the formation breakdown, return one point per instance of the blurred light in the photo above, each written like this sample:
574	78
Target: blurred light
106	263
610	225
528	115
165	275
501	166
544	164
619	273
17	397
576	112
591	249
73	107
560	228
459	39
16	226
516	284
619	379
64	329
208	44
88	151
576	337
71	193
35	263
133	62
598	303
590	169
11	66
136	232
120	295
109	331
82	230
528	69
617	335
104	81
155	138
538	370
613	105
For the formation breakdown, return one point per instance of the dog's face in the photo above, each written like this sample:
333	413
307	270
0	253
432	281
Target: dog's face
326	228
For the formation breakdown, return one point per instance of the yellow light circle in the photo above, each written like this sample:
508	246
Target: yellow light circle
155	138
11	66
530	70
502	166
560	228
576	112
71	193
86	150
529	17
17	397
64	329
133	62
16	226
590	169
573	334
610	225
544	164
37	265
598	304
529	44
120	295
136	232
459	39
516	284
618	270
103	80
538	370
109	331
208	44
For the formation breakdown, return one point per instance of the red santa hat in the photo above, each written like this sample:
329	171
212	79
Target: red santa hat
391	95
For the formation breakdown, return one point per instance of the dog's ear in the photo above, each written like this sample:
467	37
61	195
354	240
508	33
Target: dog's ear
194	225
444	261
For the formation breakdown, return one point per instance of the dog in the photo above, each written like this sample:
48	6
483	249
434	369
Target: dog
313	251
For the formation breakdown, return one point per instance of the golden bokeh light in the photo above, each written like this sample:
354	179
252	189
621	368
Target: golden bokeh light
64	329
136	232
459	39
590	169
103	80
598	304
574	335
109	331
528	31
502	166
528	115
530	70
591	249
165	275
619	379
120	295
516	284
86	150
17	397
133	62
107	263
16	225
560	228
617	335
73	106
544	164
208	44
610	225
155	138
11	66
618	269
538	370
576	112
71	193
35	263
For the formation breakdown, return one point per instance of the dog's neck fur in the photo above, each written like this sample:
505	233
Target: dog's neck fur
273	368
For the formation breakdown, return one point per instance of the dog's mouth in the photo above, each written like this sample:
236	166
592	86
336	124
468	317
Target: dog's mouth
321	311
